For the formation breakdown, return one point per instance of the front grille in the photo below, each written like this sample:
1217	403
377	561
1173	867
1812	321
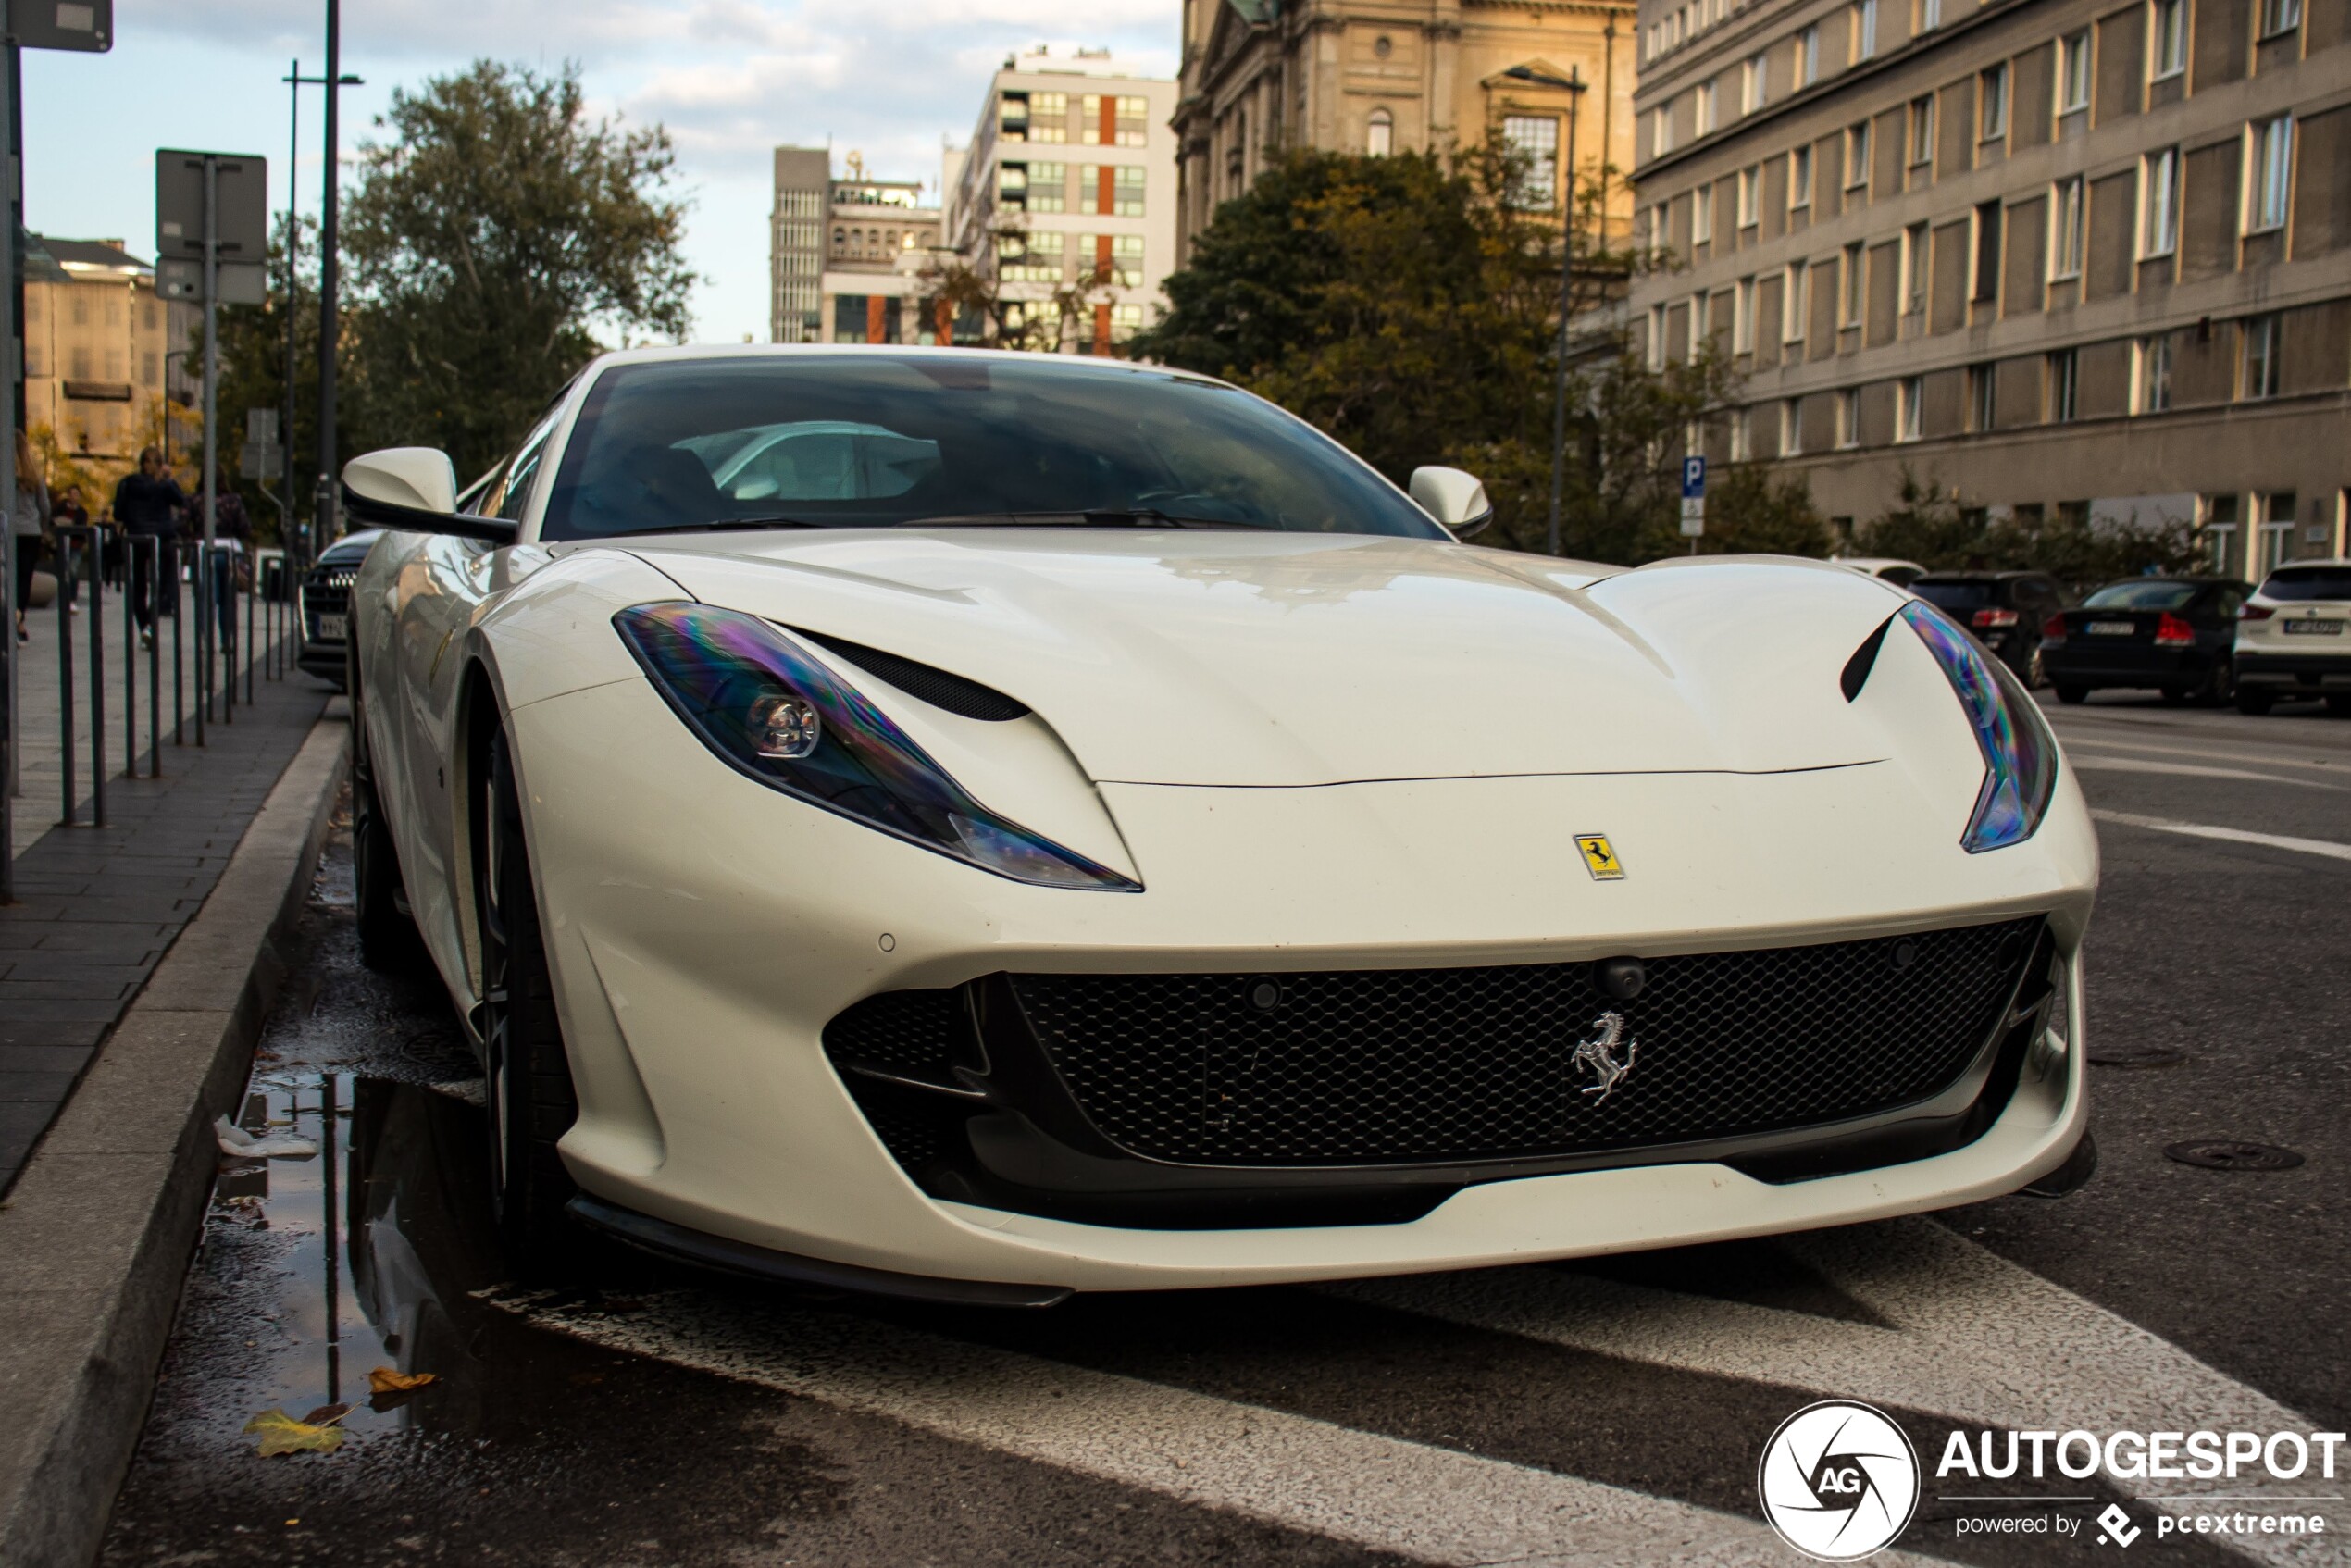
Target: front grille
1404	1066
326	590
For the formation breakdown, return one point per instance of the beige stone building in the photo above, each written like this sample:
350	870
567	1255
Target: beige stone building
2048	253
1379	76
95	341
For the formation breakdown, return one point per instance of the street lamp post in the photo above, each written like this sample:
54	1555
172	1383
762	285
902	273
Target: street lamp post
296	81
1573	86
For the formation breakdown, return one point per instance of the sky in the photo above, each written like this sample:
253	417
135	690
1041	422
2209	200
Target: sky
731	79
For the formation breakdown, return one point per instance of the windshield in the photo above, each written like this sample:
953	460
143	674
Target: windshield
2146	593
1956	595
2308	582
875	440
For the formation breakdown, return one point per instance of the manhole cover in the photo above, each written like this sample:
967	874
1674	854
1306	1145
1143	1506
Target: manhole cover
2234	1155
2135	1056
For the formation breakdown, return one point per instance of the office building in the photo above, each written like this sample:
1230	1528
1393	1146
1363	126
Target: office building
98	346
2053	255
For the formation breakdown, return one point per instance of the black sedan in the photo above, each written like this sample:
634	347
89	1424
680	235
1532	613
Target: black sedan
2168	633
2004	610
326	605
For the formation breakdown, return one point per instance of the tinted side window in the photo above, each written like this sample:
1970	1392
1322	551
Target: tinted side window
510	493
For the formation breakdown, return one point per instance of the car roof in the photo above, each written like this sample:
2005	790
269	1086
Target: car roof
2170	576
1976	576
1069	364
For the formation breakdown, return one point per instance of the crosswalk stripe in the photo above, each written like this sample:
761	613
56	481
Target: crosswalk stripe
1975	1338
2232	835
1415	1500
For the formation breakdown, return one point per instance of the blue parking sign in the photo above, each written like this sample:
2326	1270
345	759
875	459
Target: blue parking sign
1692	478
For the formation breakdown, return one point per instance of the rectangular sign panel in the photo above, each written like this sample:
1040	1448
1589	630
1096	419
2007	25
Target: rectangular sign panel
241	283
84	26
243	222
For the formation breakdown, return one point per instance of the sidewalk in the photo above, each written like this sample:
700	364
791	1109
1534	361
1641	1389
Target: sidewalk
98	907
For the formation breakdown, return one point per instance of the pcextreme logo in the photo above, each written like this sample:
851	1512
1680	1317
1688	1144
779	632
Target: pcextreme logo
1839	1480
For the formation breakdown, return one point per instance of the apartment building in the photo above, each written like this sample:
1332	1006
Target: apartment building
1381	76
1070	175
804	186
845	253
95	345
2055	255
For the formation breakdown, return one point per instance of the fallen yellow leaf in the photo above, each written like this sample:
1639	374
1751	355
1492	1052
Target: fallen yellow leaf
384	1380
281	1433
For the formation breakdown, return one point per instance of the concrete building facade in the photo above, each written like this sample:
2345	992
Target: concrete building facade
845	253
95	345
804	182
1070	175
1381	76
2047	255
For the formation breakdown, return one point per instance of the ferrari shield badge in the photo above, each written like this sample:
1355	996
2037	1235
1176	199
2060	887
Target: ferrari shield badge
1599	858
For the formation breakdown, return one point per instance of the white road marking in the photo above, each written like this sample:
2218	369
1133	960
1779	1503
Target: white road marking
2326	847
1975	1338
2187	770
1433	1504
2266	756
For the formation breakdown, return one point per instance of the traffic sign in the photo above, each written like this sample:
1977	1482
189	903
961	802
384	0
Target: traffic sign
85	26
1693	498
241	283
242	220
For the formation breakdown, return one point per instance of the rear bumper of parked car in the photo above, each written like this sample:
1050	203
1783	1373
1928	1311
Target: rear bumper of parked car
2071	663
2309	672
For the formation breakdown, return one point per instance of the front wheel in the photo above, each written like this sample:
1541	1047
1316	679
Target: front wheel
2072	695
2254	700
526	1090
2223	684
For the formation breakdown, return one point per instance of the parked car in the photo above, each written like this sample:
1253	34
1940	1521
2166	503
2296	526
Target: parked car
1901	574
2294	637
2004	610
2170	633
981	858
326	606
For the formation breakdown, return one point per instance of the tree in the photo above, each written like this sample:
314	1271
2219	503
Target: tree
1929	526
975	310
488	240
1749	511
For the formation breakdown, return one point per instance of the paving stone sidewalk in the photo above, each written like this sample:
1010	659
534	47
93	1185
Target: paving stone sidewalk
97	907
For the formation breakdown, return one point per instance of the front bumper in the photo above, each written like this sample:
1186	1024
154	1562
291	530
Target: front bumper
699	954
2310	672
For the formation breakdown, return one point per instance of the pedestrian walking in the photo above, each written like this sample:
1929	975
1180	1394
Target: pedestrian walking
27	525
149	503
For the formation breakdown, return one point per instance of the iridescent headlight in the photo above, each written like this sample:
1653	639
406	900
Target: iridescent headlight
767	706
2019	754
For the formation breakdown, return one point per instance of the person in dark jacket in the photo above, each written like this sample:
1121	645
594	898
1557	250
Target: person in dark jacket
149	503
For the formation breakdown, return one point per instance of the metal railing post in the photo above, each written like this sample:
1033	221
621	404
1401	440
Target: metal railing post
130	670
65	672
202	690
97	681
251	594
179	646
155	663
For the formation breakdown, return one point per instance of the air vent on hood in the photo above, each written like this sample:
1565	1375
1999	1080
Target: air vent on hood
1864	659
937	687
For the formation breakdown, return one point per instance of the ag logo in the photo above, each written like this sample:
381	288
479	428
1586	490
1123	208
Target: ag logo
1839	1480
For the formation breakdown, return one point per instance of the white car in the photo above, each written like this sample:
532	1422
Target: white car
1900	573
2293	637
1120	840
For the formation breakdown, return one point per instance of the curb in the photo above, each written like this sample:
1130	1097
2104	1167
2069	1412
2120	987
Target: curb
95	1237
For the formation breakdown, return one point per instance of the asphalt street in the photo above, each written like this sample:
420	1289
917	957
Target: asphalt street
1613	1412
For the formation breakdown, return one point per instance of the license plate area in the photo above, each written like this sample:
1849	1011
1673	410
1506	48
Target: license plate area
2314	628
2112	629
334	629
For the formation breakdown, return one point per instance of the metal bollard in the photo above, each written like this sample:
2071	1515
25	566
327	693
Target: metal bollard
178	644
254	592
154	661
65	673
98	682
130	668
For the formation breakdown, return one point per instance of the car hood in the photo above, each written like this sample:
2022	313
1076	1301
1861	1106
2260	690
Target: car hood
1227	658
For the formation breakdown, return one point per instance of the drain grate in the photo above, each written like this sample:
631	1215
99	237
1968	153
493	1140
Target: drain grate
2232	1154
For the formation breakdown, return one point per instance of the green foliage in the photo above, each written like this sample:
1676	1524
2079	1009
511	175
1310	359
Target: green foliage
1751	511
487	241
1929	526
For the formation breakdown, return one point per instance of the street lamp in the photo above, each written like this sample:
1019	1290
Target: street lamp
1573	86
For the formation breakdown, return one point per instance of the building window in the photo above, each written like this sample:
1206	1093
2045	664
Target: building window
1799	178
2279	15
1661	130
1702	215
1742	435
1011	118
1755	85
1697	333
1808	56
1111	190
1795	302
1914	269
2258	357
1922	133
2160	203
2168	40
1049	187
2074	71
1909	396
1865	29
2277	529
1984	287
2272	174
2062	366
1992	104
1535	140
1743	317
1980	384
2220	530
1930	15
2065	237
1849	285
1656	337
1109	122
1792	428
1111	258
1849	416
2151	380
1707	108
1857	155
1750	196
1031	258
1379	137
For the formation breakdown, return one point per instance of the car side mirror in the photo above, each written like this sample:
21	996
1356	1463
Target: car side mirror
413	489
1453	498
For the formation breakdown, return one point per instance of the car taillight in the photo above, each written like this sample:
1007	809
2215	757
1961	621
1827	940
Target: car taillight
1993	618
2053	629
2256	613
2174	632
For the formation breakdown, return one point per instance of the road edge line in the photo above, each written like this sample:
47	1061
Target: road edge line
95	1238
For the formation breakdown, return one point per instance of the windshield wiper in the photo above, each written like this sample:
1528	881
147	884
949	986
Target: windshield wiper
726	524
1095	517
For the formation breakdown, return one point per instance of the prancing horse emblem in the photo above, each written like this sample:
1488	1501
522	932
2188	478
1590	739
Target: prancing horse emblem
1599	1055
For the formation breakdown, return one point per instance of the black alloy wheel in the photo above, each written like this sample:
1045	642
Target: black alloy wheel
2221	685
526	1086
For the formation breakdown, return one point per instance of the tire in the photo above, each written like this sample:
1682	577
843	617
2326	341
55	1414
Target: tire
2254	700
2033	672
388	941
2175	695
527	1077
2339	703
2072	695
2223	684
